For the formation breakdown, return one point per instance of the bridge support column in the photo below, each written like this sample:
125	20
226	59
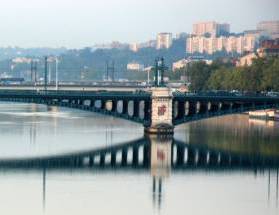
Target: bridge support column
191	156
136	109
146	109
161	111
135	156
146	155
113	159
202	158
124	157
180	155
124	107
114	106
92	103
102	159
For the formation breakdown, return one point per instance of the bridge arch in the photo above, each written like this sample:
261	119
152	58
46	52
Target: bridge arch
126	105
208	107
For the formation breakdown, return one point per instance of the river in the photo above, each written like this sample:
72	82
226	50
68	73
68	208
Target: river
30	131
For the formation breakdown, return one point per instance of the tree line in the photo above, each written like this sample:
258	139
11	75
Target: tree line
262	75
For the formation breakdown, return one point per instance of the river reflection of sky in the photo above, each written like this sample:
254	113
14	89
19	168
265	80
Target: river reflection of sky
195	191
32	130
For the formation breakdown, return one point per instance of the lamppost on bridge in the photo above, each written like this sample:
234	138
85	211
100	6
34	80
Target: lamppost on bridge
159	72
33	71
56	73
45	75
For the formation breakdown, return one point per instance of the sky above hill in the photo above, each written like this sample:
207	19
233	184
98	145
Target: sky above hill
79	23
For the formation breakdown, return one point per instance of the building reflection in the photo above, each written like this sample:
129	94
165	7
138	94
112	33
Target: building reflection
260	122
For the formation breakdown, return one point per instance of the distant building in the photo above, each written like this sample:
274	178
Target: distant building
118	45
135	66
214	29
181	35
256	33
148	44
134	47
112	45
269	48
210	45
186	61
21	60
269	27
247	59
179	64
164	40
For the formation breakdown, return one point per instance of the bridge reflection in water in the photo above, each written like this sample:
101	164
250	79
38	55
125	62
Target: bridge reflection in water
148	153
160	155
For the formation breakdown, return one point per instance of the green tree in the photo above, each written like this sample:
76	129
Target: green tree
199	73
219	79
271	76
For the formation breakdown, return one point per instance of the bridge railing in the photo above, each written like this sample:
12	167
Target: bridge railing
69	92
223	94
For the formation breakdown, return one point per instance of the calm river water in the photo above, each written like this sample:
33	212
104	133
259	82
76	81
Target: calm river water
32	131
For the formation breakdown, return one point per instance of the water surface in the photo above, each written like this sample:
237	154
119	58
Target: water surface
29	130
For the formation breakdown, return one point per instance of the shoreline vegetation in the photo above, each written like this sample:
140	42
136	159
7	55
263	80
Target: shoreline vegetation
261	76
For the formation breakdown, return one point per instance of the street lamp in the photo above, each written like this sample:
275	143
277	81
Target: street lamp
56	73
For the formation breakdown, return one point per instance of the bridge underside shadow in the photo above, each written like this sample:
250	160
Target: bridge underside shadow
185	111
123	108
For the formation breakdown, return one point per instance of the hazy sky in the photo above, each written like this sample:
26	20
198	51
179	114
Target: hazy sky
79	23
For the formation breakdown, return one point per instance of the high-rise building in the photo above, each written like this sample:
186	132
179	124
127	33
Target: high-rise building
193	44
211	28
164	40
181	35
269	27
269	48
210	45
221	43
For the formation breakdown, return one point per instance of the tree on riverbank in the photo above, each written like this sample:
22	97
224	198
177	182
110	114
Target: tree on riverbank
262	75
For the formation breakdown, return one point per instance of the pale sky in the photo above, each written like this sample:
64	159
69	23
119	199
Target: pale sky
79	23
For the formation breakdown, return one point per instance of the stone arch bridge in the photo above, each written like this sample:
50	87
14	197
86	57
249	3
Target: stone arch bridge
158	109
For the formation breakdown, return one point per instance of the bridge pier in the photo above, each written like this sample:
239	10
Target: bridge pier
161	111
136	108
135	156
180	155
124	157
191	156
125	107
146	155
202	158
102	159
113	159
